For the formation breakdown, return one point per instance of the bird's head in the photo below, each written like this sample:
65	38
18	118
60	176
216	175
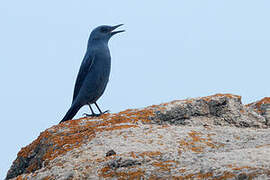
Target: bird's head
104	32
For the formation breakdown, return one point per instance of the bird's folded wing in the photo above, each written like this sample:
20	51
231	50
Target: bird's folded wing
84	69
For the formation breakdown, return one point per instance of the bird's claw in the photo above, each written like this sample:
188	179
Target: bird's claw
95	115
107	111
90	115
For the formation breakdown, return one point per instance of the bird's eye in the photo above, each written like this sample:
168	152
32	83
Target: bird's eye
103	30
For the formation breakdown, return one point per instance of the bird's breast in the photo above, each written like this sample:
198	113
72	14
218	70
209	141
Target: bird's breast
100	70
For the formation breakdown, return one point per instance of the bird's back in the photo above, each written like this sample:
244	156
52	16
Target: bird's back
84	69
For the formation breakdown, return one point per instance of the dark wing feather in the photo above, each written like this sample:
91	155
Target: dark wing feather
84	69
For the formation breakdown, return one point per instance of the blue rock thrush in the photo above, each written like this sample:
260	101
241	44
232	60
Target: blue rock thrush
94	72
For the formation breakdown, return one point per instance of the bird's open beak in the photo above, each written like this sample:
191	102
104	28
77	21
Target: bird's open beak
115	32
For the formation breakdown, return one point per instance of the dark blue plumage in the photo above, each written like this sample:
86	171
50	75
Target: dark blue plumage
94	72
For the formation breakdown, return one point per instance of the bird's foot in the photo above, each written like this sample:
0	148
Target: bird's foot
94	114
107	111
91	115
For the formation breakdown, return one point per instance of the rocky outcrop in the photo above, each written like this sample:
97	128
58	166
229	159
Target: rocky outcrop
213	137
263	108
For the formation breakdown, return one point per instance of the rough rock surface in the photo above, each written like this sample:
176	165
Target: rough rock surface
213	137
262	107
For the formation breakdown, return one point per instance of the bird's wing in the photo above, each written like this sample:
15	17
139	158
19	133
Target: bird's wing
84	69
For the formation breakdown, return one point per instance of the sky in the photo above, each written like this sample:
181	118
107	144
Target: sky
171	50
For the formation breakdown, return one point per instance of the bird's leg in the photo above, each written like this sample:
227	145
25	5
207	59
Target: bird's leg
93	113
100	110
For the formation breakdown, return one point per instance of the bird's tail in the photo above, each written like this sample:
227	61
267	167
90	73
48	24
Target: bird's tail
71	112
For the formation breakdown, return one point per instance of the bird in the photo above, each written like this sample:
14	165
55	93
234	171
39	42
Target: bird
94	71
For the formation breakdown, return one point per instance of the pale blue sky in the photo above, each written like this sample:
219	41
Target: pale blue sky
170	50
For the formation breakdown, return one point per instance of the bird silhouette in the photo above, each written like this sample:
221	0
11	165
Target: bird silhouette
94	72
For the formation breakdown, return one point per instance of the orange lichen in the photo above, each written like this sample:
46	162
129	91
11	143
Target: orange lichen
196	142
240	168
189	176
153	177
208	175
160	136
133	154
182	170
25	151
59	164
205	175
259	146
107	172
119	127
225	175
179	152
134	175
198	149
258	104
265	100
236	137
149	154
208	98
196	136
47	178
19	177
164	165
72	134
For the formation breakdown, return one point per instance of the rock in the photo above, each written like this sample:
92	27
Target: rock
262	107
213	137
